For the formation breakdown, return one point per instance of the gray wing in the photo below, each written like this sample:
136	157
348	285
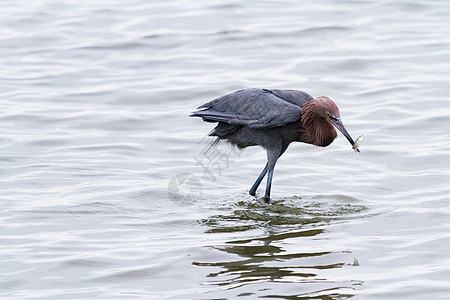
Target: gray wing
255	108
295	97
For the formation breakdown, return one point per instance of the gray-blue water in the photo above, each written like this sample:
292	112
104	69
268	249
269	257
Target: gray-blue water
105	194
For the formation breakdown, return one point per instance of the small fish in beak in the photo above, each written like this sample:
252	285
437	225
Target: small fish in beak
357	143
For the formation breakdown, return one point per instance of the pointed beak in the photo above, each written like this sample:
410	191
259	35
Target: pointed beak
339	125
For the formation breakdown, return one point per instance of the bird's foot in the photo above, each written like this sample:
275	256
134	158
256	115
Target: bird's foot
266	199
252	193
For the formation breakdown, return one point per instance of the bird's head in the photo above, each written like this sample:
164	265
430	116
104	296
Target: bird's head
327	109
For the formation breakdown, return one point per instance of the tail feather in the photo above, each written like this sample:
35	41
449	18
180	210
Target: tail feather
213	144
212	115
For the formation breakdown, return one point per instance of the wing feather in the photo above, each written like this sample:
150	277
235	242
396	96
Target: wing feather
255	108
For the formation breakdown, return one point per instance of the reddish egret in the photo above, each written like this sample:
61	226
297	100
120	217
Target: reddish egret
272	119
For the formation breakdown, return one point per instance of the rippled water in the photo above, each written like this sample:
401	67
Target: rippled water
104	191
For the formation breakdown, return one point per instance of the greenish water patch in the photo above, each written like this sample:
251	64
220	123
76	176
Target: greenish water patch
251	214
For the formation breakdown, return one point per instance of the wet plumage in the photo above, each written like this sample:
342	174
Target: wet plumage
272	119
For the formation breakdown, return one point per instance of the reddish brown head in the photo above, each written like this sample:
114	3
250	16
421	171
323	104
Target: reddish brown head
318	118
326	107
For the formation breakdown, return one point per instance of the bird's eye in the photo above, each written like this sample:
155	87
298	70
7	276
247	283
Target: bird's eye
328	115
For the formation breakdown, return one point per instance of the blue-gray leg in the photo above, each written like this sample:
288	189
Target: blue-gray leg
269	185
255	186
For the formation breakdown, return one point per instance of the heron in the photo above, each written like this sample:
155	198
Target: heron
272	119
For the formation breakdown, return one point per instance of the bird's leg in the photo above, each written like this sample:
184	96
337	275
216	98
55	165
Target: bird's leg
255	186
272	157
269	185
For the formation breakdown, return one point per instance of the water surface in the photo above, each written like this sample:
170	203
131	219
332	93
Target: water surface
105	192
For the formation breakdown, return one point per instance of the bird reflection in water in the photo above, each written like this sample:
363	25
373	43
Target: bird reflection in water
284	253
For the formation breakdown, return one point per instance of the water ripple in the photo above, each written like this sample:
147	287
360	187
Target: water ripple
94	115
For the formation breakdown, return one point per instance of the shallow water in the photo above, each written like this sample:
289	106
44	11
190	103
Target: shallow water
105	192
